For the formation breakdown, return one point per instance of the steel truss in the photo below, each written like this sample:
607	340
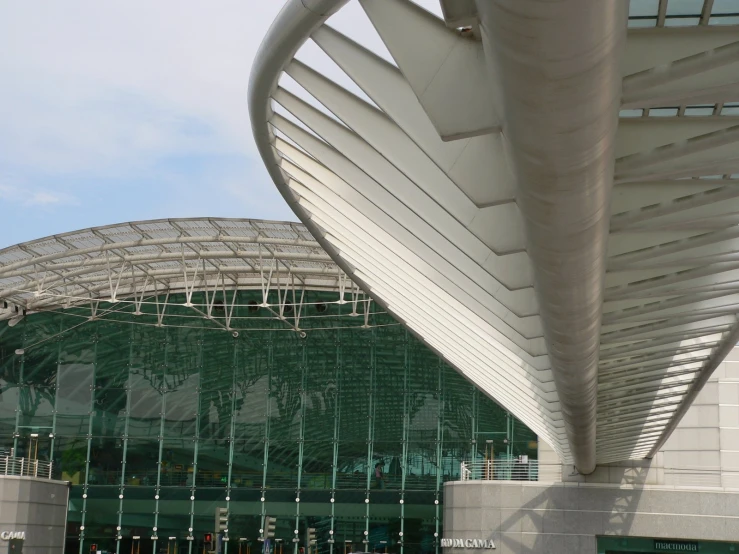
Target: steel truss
142	267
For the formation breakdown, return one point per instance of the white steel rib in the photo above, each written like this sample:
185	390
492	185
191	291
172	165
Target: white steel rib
580	265
141	264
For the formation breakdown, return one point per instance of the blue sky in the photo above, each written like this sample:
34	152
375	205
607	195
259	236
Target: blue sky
127	110
131	110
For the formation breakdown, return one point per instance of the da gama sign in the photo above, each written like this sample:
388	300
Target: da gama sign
467	543
10	535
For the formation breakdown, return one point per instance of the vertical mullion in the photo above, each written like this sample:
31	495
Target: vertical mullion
301	439
370	425
369	421
16	434
127	415
56	392
406	416
337	427
509	439
89	443
439	439
404	445
198	430
661	13
473	443
232	440
164	392
267	420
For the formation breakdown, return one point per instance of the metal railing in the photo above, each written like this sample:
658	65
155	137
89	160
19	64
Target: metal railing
500	470
25	467
254	479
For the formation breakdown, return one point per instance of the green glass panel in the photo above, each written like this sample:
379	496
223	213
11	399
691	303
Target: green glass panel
163	411
109	411
145	403
74	395
178	457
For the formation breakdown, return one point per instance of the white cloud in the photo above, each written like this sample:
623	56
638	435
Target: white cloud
118	93
40	197
88	84
25	196
92	84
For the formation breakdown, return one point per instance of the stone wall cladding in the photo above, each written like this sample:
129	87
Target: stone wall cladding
564	518
39	508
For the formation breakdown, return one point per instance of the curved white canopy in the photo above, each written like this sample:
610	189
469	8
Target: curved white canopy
493	189
147	262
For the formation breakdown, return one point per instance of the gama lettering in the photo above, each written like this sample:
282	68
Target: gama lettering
467	543
9	535
675	546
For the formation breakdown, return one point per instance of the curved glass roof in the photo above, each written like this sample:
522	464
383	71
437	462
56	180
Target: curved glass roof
145	267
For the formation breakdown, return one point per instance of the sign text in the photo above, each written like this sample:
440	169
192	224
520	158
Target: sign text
467	543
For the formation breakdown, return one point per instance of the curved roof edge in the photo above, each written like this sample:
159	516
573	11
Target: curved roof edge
295	23
144	262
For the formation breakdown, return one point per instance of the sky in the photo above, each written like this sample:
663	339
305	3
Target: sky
116	111
128	110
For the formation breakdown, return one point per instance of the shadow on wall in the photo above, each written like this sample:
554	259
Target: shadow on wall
569	516
616	406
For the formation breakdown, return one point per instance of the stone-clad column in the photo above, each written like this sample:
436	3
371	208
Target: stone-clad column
38	509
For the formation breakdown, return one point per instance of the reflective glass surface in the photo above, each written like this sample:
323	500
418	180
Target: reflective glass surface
348	425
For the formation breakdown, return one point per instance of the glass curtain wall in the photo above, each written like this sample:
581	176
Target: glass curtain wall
349	427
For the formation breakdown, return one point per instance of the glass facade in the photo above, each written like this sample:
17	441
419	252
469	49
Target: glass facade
349	426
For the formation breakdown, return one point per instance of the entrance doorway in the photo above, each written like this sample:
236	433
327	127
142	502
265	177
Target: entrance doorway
33	449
